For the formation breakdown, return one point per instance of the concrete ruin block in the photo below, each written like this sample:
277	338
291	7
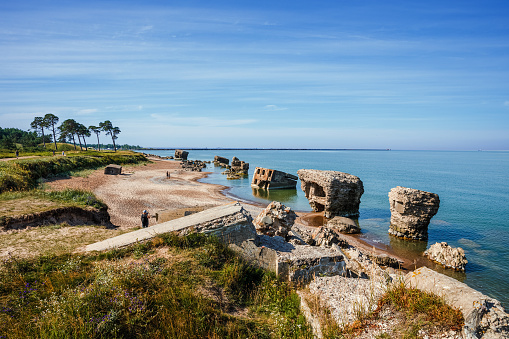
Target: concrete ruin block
113	169
325	236
230	223
335	193
301	263
275	220
237	170
450	257
181	155
484	316
220	161
344	225
411	212
266	178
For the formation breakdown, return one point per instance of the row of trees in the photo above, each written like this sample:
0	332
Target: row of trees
9	137
70	130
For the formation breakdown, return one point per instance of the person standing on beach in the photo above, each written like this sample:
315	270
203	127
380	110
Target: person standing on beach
144	219
17	154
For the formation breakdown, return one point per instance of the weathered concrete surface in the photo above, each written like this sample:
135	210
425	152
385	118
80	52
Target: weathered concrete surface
113	169
230	223
411	212
335	193
347	297
181	155
298	263
275	219
301	263
484	316
266	178
450	257
325	236
220	161
344	225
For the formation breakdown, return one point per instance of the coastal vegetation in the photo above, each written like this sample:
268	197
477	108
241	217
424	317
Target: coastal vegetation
173	287
69	131
25	174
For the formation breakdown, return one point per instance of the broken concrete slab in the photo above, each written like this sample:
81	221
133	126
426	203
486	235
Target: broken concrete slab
266	178
484	316
231	223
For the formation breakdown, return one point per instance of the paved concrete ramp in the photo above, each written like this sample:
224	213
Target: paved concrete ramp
231	223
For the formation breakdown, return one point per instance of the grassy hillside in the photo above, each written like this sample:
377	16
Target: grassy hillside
23	174
172	287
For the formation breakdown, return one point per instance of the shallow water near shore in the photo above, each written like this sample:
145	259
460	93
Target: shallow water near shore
473	189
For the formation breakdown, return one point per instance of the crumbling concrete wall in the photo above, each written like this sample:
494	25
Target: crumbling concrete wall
411	212
335	193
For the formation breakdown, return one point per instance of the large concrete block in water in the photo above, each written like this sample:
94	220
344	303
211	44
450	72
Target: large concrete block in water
181	155
231	223
266	178
484	316
335	193
411	212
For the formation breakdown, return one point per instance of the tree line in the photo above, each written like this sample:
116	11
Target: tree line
70	130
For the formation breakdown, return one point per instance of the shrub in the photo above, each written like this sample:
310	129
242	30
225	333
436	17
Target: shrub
24	173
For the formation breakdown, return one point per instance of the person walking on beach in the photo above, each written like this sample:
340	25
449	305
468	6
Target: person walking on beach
144	219
17	154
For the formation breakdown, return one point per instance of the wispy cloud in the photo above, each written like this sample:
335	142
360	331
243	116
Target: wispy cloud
87	111
274	108
201	121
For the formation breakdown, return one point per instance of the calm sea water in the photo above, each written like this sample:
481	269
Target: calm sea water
473	189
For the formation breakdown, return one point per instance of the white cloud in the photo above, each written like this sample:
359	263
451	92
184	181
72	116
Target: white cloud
86	111
506	103
274	108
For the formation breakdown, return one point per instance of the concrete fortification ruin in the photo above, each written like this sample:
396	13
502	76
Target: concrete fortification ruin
335	193
181	155
411	212
266	178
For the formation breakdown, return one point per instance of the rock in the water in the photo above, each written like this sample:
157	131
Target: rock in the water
335	193
451	257
275	220
411	212
344	225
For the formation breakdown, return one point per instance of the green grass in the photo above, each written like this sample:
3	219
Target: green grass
66	197
24	174
160	289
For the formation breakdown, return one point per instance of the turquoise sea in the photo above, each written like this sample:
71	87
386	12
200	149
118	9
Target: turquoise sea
473	189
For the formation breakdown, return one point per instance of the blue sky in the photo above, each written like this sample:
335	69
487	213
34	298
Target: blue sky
315	74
